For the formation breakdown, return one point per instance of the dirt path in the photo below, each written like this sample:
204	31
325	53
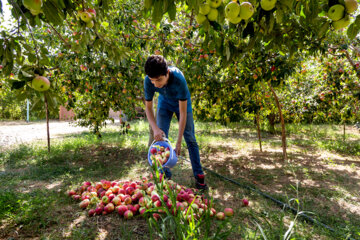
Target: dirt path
17	132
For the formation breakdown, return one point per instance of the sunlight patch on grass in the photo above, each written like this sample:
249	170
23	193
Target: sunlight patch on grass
102	234
75	222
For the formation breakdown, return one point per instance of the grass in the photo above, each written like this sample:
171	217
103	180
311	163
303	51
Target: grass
323	174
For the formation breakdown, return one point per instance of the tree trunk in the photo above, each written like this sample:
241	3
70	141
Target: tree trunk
271	117
47	122
258	129
283	134
352	63
344	132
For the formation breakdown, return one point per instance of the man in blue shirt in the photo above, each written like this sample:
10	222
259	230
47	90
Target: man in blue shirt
174	97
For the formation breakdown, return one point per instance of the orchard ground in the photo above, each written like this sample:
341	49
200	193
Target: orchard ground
323	173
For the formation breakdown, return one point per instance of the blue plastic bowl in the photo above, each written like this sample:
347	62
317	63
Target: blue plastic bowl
172	159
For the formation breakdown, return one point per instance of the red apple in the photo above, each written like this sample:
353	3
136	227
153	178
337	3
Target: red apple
229	212
71	192
127	200
220	216
122	209
109	208
245	202
116	201
91	212
128	214
142	210
105	199
84	204
99	209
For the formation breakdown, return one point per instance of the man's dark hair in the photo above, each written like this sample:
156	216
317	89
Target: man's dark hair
156	66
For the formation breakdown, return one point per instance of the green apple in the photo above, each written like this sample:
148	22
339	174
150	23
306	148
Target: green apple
351	5
246	10
235	20
267	5
40	83
336	12
200	18
232	10
213	14
204	8
85	16
214	3
342	23
90	24
33	5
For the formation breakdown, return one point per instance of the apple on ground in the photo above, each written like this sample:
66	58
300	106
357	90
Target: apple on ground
84	204
336	12
220	216
128	214
245	202
268	5
91	212
109	208
122	209
229	212
40	83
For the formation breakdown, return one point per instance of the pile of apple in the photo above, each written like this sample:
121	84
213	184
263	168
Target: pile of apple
88	16
208	10
130	198
159	155
339	13
235	12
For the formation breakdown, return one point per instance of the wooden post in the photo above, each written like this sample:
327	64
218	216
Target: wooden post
258	129
47	122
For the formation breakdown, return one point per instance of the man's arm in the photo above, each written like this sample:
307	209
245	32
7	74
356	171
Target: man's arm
182	124
158	133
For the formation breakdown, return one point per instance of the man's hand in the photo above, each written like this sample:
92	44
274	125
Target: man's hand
158	134
178	148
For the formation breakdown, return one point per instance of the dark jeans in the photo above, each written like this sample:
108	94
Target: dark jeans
163	120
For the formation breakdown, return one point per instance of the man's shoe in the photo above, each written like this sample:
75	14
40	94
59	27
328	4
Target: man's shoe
200	182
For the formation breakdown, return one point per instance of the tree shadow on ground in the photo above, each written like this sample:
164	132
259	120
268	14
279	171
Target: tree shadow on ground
328	188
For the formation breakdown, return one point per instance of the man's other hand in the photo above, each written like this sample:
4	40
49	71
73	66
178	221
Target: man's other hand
178	149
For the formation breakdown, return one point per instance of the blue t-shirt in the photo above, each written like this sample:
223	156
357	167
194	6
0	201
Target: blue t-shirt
174	91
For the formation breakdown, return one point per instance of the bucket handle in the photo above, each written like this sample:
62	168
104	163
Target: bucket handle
164	139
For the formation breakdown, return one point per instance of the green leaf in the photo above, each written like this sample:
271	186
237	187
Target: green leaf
324	28
353	30
31	57
157	13
172	11
148	4
17	84
53	13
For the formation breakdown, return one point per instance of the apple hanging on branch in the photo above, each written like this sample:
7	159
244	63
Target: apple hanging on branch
34	6
40	83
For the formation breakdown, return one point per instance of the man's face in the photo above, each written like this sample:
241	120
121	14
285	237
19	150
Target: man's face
160	81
